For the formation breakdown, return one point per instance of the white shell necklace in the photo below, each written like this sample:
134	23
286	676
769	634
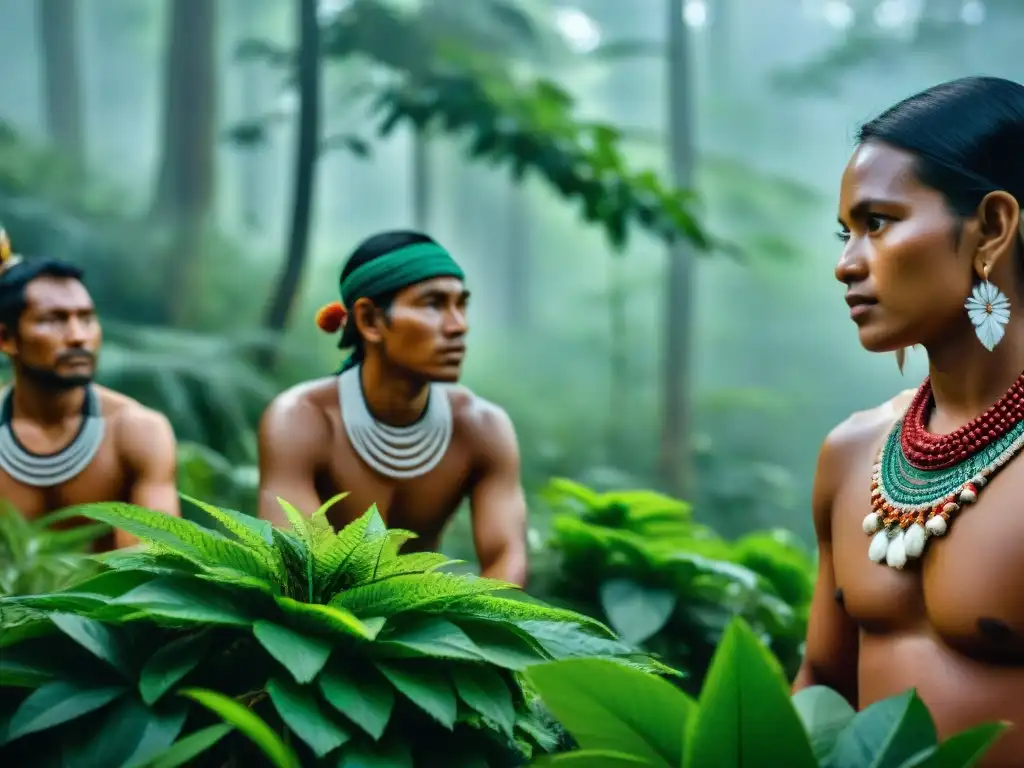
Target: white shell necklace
397	452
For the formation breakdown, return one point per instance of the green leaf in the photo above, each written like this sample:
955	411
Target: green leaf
636	612
414	592
250	530
485	690
158	734
361	694
961	750
391	754
326	618
56	703
261	734
301	712
885	734
170	664
592	758
824	714
175	597
16	673
745	715
128	734
94	637
429	636
427	688
301	655
606	706
183	751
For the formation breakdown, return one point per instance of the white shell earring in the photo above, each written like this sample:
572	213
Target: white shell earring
989	312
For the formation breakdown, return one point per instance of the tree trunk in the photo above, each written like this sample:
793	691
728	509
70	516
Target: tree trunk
306	153
676	458
57	22
187	172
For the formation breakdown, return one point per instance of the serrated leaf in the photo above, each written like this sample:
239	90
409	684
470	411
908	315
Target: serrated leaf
361	694
414	592
57	703
250	530
326	618
303	656
485	690
247	723
183	751
429	689
302	713
170	664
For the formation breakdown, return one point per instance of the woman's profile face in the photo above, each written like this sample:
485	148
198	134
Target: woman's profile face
906	279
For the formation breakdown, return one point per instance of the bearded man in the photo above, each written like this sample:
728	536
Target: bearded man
390	428
64	441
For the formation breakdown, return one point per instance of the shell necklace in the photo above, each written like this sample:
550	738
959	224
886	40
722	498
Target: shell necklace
397	452
922	481
48	470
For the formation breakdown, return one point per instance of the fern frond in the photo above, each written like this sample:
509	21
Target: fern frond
334	554
414	562
496	608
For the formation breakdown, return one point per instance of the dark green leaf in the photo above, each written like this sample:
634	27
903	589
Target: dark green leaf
170	664
885	734
183	751
427	688
21	674
429	636
300	710
94	637
186	600
303	656
635	611
248	723
390	754
485	690
960	751
56	703
824	714
745	715
361	694
606	706
128	734
592	758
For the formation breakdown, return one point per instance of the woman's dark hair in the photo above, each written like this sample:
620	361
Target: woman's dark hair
373	248
967	135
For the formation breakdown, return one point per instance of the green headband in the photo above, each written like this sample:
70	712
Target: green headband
398	269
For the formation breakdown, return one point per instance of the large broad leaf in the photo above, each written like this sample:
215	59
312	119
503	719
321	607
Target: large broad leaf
592	758
824	714
129	734
261	734
428	636
301	711
326	619
361	694
96	638
175	597
635	611
745	715
183	751
393	754
485	690
429	689
885	734
170	664
56	703
606	706
960	751
301	655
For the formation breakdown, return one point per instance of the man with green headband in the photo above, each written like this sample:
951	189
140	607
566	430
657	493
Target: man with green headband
392	428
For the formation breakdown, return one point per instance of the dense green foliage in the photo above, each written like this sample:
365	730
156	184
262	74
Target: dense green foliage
624	719
639	560
320	647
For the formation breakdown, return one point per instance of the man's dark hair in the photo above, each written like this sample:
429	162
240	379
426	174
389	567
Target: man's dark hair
967	136
15	279
373	248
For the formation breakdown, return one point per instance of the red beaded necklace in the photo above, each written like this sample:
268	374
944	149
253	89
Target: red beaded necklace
925	450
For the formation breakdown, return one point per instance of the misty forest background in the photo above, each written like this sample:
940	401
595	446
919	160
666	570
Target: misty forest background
643	194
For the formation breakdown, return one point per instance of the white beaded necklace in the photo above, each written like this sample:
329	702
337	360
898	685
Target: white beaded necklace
397	452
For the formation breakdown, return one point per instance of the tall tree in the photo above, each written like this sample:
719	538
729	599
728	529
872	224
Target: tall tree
57	22
675	455
186	180
307	147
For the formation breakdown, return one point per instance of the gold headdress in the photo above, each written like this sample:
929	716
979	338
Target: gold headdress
7	257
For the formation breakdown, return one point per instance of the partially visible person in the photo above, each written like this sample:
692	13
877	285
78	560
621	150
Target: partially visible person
64	441
390	429
917	503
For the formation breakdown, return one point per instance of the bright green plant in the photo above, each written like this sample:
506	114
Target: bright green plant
317	647
621	718
37	557
640	560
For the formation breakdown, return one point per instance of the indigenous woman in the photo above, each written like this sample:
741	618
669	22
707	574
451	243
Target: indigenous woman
917	504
